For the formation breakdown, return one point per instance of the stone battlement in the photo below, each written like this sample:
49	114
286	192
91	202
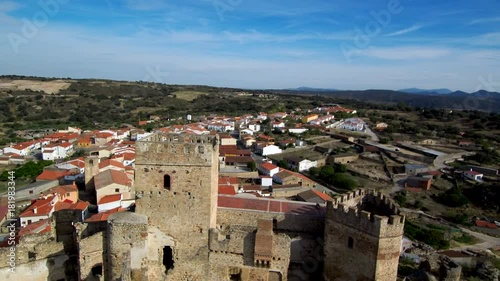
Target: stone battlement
349	196
178	149
182	138
374	213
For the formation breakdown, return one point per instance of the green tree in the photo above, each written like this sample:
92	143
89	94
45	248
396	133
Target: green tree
326	173
252	166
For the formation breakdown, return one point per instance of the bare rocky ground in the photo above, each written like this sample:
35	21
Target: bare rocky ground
49	87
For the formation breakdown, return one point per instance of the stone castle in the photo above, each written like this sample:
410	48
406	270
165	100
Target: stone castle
183	230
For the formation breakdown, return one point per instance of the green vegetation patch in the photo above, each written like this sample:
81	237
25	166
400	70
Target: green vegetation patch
28	171
188	95
430	236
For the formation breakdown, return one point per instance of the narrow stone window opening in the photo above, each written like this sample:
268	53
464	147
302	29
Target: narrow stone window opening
235	277
168	258
31	256
97	270
350	243
167	182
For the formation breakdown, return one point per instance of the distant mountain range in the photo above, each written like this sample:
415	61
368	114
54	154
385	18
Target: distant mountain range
481	100
442	91
311	89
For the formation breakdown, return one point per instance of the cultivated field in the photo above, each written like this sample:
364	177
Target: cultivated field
188	95
49	87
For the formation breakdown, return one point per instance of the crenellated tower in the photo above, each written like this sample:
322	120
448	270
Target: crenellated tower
363	235
176	182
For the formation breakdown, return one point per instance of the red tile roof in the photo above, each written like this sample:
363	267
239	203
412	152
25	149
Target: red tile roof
52	175
268	166
104	215
4	211
108	162
43	207
228	180
322	195
111	176
110	198
227	190
62	189
41	226
104	135
80	205
481	223
79	162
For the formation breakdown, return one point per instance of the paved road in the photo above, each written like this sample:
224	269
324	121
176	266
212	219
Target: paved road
372	134
488	241
439	161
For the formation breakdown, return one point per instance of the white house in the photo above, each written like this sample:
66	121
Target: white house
268	169
266	180
20	149
473	175
270	150
297	130
39	210
278	124
267	150
353	124
262	116
301	164
109	202
221	126
57	151
49	154
254	127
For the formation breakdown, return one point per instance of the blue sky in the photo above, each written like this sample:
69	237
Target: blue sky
389	44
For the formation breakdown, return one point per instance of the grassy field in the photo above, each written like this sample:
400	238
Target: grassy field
188	95
19	183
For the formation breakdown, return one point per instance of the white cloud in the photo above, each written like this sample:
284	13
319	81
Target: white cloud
406	30
141	5
405	53
5	8
484	20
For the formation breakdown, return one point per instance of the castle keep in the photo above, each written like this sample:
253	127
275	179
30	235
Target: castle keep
183	230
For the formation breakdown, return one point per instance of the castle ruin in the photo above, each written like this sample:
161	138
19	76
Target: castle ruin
183	230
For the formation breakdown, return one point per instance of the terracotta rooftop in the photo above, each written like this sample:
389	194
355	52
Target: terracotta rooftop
238	159
52	175
109	162
109	177
62	189
310	194
227	190
268	166
110	198
228	180
104	215
41	226
80	205
43	207
4	211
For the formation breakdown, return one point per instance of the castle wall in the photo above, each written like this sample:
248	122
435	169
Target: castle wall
38	257
126	244
91	254
233	250
362	245
283	221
